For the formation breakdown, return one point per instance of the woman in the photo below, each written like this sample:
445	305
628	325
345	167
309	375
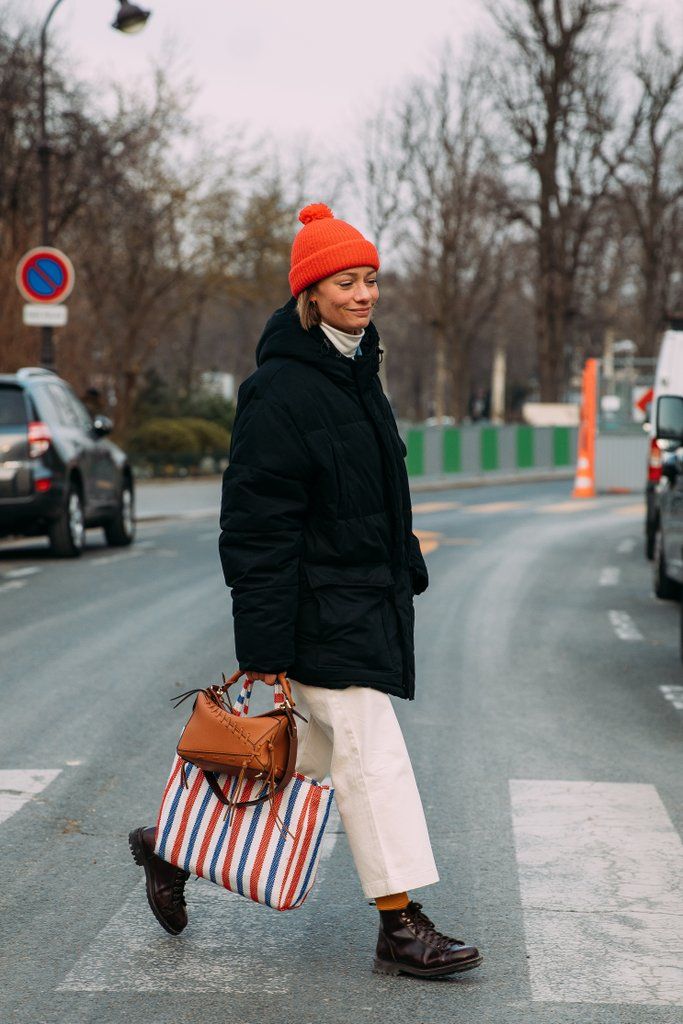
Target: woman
317	546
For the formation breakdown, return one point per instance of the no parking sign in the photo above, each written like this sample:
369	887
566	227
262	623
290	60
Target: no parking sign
45	275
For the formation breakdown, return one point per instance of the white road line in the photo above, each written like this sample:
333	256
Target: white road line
27	570
18	786
493	507
140	958
624	626
600	868
12	585
574	505
106	559
673	694
609	576
626	546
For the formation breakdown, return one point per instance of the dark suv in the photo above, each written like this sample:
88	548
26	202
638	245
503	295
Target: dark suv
58	473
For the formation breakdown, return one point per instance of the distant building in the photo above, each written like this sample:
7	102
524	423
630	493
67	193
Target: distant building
221	384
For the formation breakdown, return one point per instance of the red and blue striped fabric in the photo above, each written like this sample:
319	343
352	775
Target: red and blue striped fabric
245	851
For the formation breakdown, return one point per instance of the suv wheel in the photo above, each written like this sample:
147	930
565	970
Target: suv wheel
67	534
120	530
664	586
650	535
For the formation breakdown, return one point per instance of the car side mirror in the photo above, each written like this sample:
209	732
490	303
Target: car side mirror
669	418
102	425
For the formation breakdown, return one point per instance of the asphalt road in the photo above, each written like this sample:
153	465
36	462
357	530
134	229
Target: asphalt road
546	740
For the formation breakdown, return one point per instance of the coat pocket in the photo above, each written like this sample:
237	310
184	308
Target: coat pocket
357	620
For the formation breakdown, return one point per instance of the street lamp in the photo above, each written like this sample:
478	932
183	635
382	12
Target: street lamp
130	18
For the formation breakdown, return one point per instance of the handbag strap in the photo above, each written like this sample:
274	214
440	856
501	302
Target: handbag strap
282	692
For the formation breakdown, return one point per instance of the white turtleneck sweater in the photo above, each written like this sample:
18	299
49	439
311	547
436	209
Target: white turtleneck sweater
347	344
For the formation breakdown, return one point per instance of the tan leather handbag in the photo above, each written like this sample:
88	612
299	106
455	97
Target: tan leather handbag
217	740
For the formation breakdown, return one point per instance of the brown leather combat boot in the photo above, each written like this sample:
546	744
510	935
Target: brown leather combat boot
409	943
165	883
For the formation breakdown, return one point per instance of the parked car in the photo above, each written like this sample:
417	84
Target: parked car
668	558
668	381
58	472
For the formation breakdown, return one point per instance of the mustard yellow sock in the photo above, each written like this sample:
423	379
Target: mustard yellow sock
397	901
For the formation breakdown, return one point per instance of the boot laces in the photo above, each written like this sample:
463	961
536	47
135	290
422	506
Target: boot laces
427	930
178	888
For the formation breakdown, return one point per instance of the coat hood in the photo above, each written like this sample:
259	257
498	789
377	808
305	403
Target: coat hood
284	337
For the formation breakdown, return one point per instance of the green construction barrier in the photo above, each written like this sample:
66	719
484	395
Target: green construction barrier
415	459
525	447
489	448
562	453
452	450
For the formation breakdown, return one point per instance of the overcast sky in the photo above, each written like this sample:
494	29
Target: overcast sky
306	66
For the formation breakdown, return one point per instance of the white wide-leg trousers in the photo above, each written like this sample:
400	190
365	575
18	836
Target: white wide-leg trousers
353	736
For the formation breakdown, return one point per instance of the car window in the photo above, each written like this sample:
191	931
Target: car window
79	410
45	404
12	407
66	413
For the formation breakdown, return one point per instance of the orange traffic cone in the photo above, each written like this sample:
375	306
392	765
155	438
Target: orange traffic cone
584	481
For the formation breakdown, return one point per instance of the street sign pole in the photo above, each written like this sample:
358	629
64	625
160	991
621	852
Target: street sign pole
45	278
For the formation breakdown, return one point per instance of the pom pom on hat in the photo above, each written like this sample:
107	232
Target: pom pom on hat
316	211
325	246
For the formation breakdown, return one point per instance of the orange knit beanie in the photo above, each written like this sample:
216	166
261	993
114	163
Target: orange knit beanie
324	246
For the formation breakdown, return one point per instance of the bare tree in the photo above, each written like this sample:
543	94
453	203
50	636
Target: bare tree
555	93
652	182
453	241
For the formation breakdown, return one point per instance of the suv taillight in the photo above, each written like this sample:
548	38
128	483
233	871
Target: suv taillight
39	439
654	465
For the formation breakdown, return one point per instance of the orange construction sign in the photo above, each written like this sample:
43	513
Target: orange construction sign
584	481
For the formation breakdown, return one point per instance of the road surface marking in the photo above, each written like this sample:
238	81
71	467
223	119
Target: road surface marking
16	574
461	541
18	786
489	507
631	510
626	546
609	576
600	870
429	541
624	626
132	954
12	585
106	559
428	507
576	505
673	694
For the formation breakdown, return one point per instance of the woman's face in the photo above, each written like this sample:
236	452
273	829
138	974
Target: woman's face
345	300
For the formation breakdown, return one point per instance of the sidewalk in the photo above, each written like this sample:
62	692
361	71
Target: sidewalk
198	499
173	499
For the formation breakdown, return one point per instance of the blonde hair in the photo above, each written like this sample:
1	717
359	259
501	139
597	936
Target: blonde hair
307	308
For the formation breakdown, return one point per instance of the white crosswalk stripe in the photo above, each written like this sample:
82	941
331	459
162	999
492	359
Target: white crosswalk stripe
601	880
18	786
141	958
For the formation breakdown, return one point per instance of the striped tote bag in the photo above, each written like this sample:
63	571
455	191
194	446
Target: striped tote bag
244	850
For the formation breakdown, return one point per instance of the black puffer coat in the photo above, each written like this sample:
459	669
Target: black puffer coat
316	525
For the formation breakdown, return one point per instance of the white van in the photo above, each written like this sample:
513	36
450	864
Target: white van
668	381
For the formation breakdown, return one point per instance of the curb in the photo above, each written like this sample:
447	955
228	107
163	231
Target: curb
439	483
447	483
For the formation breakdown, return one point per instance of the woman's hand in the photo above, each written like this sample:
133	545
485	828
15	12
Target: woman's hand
269	678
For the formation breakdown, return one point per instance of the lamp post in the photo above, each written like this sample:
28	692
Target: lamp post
129	19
